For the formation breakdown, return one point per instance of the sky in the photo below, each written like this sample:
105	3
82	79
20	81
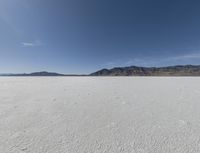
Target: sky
83	36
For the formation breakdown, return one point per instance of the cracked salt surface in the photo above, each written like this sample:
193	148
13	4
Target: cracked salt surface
99	115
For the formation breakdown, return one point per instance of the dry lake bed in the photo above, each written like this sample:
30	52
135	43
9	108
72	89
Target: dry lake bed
99	115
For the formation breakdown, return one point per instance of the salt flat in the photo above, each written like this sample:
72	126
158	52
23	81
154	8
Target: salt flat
99	115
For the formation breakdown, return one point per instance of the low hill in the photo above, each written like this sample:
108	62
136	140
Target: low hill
43	73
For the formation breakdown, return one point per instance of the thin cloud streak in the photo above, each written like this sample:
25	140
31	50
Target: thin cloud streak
32	44
187	56
156	62
27	44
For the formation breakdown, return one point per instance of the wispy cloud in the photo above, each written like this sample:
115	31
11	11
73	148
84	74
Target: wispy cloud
186	56
27	44
109	64
129	62
32	44
190	58
139	62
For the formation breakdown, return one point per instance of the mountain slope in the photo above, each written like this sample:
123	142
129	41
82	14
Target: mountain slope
179	70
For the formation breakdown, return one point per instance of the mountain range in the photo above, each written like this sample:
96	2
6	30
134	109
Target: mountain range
179	70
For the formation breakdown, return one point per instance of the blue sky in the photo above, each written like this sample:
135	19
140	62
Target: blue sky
82	36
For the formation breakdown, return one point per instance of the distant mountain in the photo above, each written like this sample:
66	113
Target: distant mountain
179	70
43	73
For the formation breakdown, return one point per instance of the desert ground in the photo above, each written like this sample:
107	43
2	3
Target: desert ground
99	115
